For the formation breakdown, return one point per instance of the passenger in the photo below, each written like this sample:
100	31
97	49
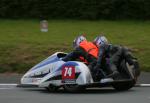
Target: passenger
87	50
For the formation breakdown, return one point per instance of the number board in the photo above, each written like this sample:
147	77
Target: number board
68	72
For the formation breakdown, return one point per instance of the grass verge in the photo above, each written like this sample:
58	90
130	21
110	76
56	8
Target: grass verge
22	45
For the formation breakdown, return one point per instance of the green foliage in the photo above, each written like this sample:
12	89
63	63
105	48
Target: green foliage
75	9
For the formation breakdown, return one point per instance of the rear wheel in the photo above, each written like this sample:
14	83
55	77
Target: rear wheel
73	88
128	72
122	86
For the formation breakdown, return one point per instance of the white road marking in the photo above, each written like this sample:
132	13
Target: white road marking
12	85
143	85
6	88
8	84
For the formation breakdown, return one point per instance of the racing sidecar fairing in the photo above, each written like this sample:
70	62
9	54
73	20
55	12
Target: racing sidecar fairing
57	72
53	73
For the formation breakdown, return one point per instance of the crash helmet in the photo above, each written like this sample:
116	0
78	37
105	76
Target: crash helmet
100	40
78	40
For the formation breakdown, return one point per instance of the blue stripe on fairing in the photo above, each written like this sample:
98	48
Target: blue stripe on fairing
45	63
70	63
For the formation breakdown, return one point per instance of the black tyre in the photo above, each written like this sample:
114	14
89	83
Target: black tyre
52	88
122	86
73	88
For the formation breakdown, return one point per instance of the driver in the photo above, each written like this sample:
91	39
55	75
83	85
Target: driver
85	50
112	54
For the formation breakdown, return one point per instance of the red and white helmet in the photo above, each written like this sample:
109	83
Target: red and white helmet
78	40
100	40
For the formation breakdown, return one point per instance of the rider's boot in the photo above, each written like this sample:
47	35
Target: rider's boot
114	75
98	74
103	77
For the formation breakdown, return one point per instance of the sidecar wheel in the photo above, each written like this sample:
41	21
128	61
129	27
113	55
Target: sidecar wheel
52	88
73	88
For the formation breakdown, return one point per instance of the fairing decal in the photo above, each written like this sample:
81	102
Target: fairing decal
45	63
59	77
38	76
70	63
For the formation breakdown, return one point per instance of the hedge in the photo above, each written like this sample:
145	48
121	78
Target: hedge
75	9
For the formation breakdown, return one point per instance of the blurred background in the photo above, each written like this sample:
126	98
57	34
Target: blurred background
22	44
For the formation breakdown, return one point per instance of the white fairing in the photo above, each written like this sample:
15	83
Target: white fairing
57	72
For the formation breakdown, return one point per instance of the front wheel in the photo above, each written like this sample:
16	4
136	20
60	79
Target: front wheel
73	88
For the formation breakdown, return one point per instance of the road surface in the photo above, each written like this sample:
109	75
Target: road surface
13	94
